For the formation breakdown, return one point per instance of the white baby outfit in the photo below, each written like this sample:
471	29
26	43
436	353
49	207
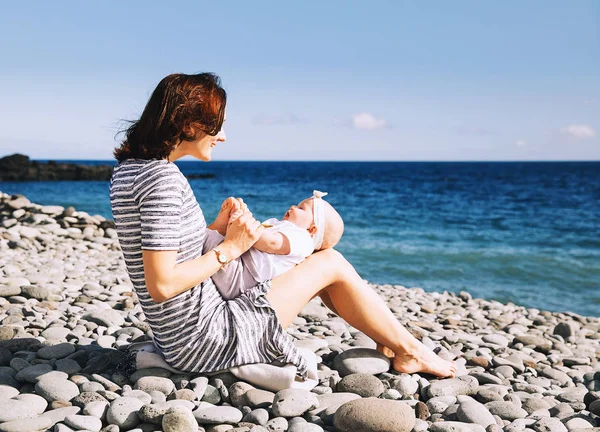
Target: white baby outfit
255	266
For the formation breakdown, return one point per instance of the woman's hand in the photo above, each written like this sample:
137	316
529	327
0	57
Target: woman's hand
229	206
242	232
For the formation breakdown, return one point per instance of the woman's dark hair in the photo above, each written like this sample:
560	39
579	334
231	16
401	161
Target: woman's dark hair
179	107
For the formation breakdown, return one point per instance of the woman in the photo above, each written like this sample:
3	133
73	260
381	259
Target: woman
161	230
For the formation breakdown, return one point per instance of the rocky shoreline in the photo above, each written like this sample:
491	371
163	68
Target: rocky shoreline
67	311
18	167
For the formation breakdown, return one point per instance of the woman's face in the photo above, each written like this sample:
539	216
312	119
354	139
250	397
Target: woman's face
201	148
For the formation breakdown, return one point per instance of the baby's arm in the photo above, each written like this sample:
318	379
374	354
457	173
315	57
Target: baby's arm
273	242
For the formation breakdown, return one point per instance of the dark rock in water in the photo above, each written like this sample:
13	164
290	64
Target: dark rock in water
201	176
14	162
18	167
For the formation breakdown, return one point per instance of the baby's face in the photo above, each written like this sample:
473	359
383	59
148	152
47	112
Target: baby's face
302	214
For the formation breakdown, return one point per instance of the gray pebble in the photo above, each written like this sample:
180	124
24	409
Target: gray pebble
364	385
406	385
257	398
179	419
57	351
153	372
211	395
548	424
277	424
375	415
32	373
56	333
86	397
56	388
293	402
506	410
59	414
31	424
258	416
68	366
471	411
452	426
123	412
7	392
153	413
91	386
465	385
361	360
97	409
83	422
205	414
149	383
23	406
237	392
305	427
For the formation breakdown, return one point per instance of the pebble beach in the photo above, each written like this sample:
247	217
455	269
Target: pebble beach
68	312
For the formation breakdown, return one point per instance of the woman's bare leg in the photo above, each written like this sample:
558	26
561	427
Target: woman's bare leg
327	300
357	303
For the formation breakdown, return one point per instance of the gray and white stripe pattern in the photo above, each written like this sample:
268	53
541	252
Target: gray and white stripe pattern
154	208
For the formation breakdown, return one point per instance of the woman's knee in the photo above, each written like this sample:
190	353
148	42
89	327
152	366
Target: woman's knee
335	263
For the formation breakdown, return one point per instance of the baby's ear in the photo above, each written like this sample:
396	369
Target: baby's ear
312	230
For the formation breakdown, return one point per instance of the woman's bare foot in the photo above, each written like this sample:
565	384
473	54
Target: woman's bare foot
385	351
422	359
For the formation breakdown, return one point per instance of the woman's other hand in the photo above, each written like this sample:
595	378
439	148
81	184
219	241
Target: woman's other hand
239	204
242	232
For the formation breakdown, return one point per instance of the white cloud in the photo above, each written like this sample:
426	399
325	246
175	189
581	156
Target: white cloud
367	120
272	120
579	131
521	143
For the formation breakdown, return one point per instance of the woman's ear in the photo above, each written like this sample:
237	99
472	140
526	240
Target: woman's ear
312	230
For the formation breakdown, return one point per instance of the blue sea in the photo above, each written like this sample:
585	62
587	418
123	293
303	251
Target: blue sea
524	232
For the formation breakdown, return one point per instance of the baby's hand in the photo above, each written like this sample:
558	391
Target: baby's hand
220	223
228	204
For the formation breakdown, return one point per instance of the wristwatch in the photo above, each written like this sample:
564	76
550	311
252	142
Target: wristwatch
221	257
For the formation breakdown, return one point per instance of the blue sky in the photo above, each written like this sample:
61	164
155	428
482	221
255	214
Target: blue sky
383	80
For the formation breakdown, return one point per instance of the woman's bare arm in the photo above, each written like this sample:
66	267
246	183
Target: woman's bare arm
165	279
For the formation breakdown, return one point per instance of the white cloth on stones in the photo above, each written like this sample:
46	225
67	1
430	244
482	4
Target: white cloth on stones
271	377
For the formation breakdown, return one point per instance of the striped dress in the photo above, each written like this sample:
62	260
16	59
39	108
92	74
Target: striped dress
154	208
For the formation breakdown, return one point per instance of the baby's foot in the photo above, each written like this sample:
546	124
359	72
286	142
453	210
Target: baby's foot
423	360
385	351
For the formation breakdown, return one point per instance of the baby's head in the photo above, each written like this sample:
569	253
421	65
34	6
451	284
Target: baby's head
312	218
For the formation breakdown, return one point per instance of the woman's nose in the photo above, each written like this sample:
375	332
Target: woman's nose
221	136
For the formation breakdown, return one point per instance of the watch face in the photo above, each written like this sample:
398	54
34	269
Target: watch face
222	258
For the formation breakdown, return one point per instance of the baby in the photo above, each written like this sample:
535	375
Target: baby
311	225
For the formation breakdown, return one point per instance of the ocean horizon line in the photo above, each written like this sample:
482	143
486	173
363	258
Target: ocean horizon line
345	161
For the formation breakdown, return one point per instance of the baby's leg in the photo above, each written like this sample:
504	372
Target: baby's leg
228	280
